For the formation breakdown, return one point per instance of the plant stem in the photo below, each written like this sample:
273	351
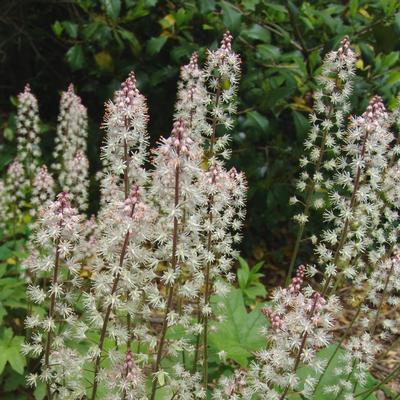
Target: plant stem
378	311
214	123
297	32
307	207
343	338
347	379
343	235
302	345
117	276
391	376
197	348
206	301
108	312
51	314
209	244
171	287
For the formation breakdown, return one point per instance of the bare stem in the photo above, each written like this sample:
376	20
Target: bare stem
307	207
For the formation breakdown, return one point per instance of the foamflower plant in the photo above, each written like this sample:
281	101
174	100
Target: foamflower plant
125	304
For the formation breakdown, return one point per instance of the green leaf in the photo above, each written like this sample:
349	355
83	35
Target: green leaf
243	277
353	7
16	360
5	252
3	269
255	290
205	6
390	59
40	391
112	8
131	38
76	57
10	348
3	359
250	4
258	120
12	382
3	313
276	7
301	123
257	267
257	32
394	78
239	334
155	44
92	29
230	17
397	22
57	28
243	273
71	28
268	52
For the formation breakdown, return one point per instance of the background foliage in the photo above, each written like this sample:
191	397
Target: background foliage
95	43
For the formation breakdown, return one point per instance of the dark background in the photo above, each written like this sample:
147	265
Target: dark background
95	43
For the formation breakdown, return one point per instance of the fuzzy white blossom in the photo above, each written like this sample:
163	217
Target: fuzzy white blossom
71	164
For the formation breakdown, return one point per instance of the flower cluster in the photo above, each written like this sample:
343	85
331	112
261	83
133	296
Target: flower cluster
71	163
28	130
56	232
193	100
328	120
360	181
26	185
222	73
301	323
162	244
129	295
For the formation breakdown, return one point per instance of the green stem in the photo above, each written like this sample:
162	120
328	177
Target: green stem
197	347
391	376
307	207
378	311
343	338
347	379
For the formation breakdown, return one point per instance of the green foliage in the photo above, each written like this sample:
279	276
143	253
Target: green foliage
249	281
239	334
10	351
330	378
